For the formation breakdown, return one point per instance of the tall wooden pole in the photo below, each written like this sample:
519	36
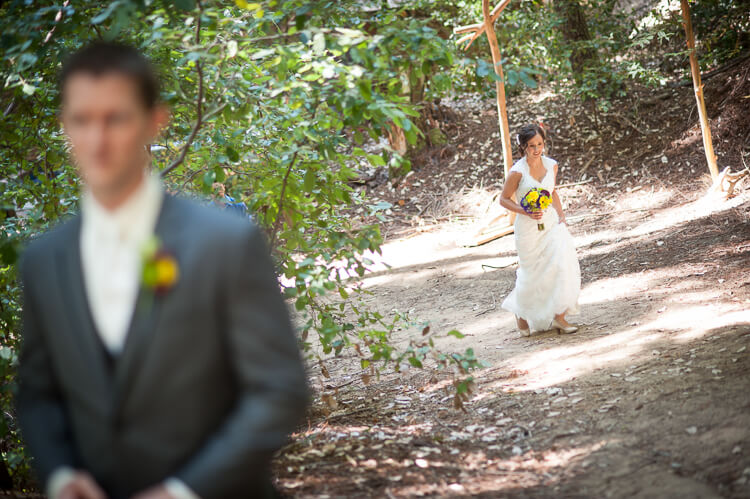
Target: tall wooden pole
487	27
698	87
502	112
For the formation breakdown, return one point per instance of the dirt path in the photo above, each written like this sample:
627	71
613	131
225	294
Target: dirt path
651	398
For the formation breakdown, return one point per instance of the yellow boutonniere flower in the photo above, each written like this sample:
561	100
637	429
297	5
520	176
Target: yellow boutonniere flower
160	271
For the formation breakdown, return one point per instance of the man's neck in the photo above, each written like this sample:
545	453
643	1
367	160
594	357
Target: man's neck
111	199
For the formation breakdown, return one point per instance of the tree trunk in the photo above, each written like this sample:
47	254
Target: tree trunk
698	87
414	87
575	30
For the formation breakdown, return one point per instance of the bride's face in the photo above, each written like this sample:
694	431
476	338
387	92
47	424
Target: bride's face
535	147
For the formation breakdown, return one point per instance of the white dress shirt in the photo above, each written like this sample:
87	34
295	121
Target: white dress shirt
111	245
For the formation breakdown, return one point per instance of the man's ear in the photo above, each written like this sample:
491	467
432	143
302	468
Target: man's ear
159	120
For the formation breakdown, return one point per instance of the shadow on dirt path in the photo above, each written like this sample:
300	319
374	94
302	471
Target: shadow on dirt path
649	399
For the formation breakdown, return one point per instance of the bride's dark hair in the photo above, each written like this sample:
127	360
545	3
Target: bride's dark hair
526	133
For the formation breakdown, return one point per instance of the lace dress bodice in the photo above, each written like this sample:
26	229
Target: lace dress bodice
528	182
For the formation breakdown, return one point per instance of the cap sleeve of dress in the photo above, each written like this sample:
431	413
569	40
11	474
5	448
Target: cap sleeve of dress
517	167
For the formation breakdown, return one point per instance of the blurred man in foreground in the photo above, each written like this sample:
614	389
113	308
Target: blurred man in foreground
158	357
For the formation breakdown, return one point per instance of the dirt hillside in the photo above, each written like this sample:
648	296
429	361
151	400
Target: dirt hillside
648	399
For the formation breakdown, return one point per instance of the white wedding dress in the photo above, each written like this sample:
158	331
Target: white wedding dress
548	279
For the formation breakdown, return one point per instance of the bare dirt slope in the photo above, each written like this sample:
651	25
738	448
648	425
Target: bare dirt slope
651	398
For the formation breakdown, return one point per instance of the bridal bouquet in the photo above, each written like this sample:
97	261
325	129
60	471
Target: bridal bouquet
536	200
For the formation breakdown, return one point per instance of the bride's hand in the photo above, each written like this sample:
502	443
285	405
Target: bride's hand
536	215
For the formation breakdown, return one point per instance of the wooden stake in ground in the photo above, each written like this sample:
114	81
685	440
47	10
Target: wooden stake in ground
474	31
698	86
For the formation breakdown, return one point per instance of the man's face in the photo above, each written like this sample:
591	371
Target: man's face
108	126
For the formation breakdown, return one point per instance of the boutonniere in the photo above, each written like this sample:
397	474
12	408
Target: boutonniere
160	271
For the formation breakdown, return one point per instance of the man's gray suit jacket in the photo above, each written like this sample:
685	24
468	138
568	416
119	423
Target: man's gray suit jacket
210	381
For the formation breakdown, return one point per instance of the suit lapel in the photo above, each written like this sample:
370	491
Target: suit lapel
147	309
74	296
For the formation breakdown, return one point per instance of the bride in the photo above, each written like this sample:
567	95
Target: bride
548	279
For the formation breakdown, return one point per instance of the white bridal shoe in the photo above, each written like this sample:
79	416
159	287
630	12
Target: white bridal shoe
563	329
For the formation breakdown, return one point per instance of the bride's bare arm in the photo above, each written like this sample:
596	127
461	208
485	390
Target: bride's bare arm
506	197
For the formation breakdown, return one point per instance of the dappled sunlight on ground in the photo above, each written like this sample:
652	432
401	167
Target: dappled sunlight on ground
649	394
440	251
430	277
679	213
560	364
643	199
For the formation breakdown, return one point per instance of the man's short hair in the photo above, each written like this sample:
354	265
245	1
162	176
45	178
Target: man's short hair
99	58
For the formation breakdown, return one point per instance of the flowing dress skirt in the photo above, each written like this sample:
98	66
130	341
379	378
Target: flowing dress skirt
548	279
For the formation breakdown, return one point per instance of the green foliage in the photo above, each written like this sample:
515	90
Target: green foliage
281	101
629	48
722	28
274	99
517	29
533	47
632	49
615	40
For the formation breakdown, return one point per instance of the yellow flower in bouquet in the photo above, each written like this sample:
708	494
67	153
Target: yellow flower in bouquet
536	200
